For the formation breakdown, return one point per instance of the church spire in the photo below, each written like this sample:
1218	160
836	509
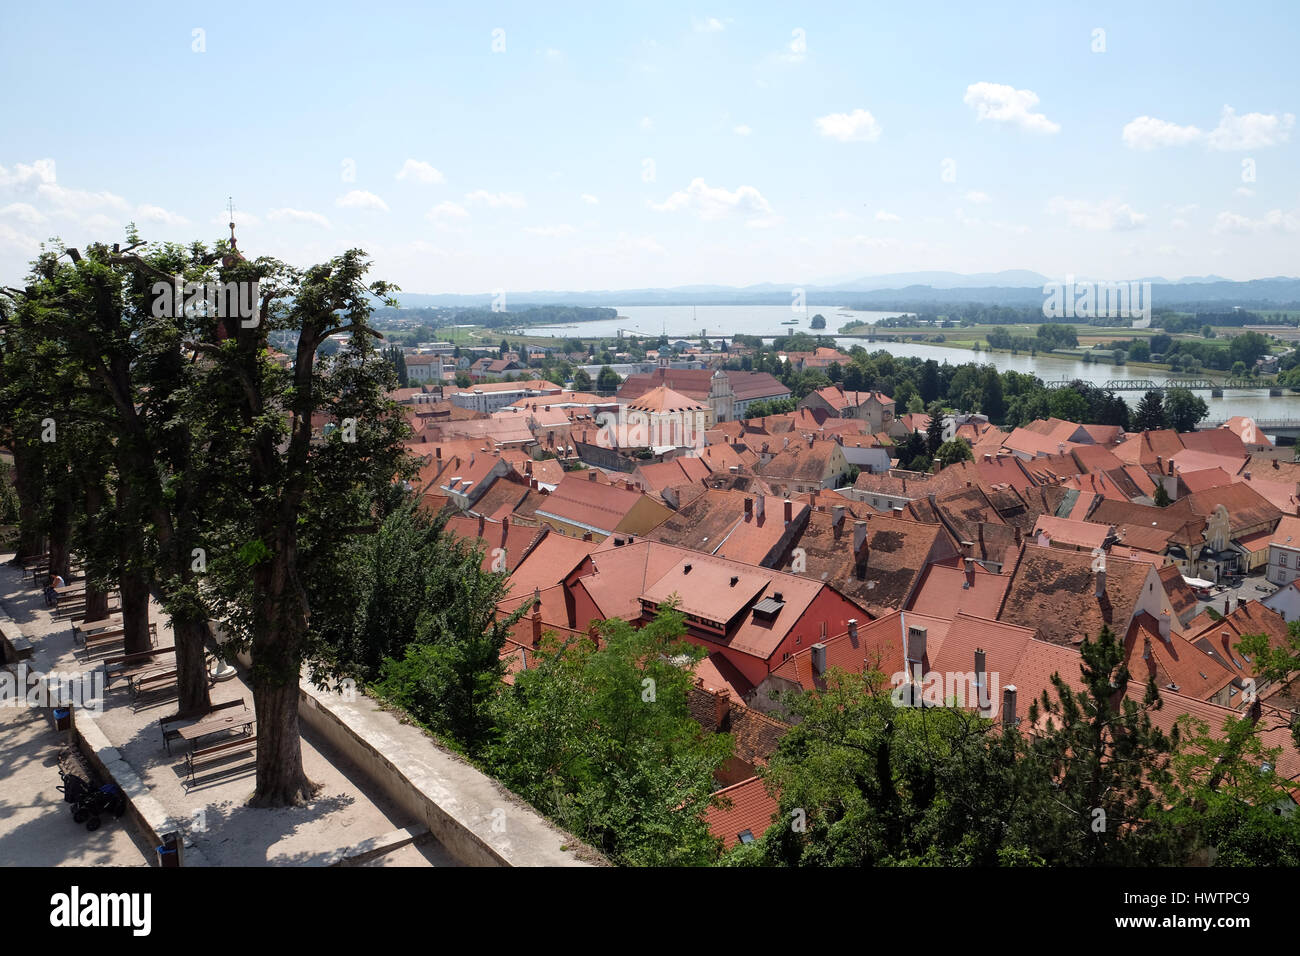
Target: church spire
230	208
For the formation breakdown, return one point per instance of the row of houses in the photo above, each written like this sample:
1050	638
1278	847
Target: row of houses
784	569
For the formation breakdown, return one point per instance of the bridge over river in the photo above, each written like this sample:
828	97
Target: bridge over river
1216	388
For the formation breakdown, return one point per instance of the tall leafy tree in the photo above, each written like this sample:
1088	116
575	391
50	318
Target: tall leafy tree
603	741
934	430
1150	414
305	491
1183	409
862	781
1108	762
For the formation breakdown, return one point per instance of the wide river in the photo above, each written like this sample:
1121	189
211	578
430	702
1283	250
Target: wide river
684	321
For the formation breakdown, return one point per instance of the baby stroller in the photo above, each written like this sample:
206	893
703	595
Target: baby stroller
87	797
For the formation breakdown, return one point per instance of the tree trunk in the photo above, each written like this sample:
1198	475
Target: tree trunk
27	486
134	584
281	781
281	624
191	665
96	603
96	599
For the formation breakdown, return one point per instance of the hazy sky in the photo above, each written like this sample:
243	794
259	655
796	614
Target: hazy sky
523	146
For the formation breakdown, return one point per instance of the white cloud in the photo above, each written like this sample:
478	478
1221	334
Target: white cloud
883	216
41	171
297	215
1178	224
858	126
496	200
589	199
1274	220
360	199
1107	215
712	203
709	25
12	240
420	172
147	213
446	211
741	130
1006	104
23	212
1244	191
551	232
978	197
1251	131
1147	132
76	201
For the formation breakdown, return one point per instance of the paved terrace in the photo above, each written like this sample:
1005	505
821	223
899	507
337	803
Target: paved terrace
36	827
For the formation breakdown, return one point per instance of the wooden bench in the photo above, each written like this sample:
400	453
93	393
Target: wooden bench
219	752
171	732
140	665
101	639
154	680
67	609
101	624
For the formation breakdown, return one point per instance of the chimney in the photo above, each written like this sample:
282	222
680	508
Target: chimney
1275	464
785	442
1009	718
789	511
1164	626
537	617
810	440
988	457
1099	591
859	535
1060	448
749	507
916	637
969	566
837	516
721	708
505	526
853	629
819	659
1160	464
586	536
591	475
1017	536
481	524
981	684
528	467
437	452
1246	475
759	503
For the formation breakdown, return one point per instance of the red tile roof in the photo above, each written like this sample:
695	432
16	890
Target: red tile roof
1055	591
745	806
945	591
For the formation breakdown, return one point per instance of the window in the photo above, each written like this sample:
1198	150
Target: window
1281	561
746	836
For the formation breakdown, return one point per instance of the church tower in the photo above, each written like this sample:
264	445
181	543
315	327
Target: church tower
722	400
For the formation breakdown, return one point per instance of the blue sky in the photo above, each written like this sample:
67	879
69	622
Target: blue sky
663	144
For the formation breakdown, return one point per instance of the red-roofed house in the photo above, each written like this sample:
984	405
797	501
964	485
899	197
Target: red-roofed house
1284	551
581	505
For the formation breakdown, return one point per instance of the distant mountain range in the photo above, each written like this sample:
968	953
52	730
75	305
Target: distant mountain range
901	290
